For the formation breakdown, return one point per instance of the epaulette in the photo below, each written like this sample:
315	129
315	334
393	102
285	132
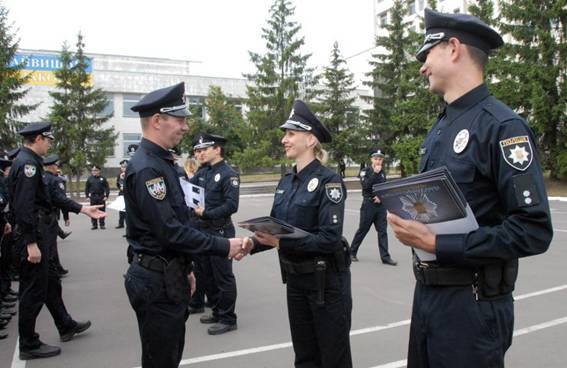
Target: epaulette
499	110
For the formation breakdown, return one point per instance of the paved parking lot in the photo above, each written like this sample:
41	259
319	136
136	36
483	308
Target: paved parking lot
381	294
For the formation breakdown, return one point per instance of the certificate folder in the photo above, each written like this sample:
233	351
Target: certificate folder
271	225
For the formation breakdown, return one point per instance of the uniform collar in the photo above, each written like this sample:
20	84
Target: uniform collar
34	155
156	149
307	170
466	101
218	164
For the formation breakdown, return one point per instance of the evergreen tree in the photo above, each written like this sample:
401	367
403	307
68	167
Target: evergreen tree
336	107
281	76
82	138
12	83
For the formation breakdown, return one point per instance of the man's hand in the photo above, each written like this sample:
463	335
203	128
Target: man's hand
199	211
192	283
376	199
67	223
247	246
93	211
104	198
7	228
34	254
412	233
235	247
267	239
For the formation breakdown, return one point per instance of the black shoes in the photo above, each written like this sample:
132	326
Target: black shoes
220	328
389	261
42	351
94	227
119	227
12	292
193	310
79	327
208	319
65	234
10	298
3	336
102	227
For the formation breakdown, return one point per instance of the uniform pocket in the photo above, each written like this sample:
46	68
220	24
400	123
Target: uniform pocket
463	173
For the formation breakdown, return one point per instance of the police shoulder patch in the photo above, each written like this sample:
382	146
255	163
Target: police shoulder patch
334	192
517	152
234	181
156	187
61	186
29	170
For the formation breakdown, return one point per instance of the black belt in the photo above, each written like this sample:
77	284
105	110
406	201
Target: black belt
298	268
152	263
432	275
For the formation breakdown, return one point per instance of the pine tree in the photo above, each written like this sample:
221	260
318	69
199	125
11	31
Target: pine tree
78	124
336	107
281	76
12	83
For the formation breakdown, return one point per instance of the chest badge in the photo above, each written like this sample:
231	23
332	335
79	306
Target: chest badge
217	177
312	185
461	141
29	170
156	187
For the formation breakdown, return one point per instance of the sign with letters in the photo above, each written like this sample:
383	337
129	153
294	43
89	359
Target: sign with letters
42	67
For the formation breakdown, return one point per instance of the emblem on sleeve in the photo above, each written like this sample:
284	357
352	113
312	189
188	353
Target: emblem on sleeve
312	185
61	186
517	152
29	170
461	141
217	177
234	181
156	188
334	192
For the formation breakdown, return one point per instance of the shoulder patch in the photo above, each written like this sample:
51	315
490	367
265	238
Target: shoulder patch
156	187
234	181
61	186
334	192
517	152
30	170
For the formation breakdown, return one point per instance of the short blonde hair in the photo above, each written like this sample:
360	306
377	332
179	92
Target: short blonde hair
191	165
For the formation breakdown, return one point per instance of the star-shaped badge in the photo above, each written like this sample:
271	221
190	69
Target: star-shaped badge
519	155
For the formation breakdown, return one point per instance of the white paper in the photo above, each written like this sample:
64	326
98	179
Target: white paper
118	204
194	194
460	226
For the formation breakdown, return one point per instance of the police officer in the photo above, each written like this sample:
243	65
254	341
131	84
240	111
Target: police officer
120	186
159	232
97	190
315	268
463	309
222	188
34	213
371	210
6	298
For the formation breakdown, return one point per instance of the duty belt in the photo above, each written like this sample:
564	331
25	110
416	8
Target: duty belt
152	263
432	274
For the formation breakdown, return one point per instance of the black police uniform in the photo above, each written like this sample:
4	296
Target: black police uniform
315	269
97	189
35	218
463	310
158	230
5	244
371	213
120	186
222	188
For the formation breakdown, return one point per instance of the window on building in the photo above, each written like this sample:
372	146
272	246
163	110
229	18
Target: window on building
456	10
411	7
420	5
108	110
128	139
383	19
127	102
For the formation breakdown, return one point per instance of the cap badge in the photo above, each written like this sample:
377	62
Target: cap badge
291	114
312	185
461	141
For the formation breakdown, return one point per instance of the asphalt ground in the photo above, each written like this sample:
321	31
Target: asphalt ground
382	298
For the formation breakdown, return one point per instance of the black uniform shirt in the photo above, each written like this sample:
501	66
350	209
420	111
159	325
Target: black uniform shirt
222	188
97	186
3	201
490	152
120	183
312	200
56	192
368	178
156	213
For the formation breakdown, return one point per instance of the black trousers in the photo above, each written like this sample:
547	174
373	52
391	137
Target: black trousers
121	218
94	200
161	322
40	284
6	250
449	328
215	276
320	334
372	213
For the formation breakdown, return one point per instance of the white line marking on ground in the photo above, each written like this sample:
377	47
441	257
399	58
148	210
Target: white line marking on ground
560	230
261	349
560	199
518	332
16	362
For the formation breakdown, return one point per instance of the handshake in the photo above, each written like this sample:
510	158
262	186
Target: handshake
240	247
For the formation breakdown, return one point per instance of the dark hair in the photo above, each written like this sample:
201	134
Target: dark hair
478	56
30	139
222	150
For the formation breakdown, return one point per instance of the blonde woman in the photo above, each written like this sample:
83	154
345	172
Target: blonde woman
191	165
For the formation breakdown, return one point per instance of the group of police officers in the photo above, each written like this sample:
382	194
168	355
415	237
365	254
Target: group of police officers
176	252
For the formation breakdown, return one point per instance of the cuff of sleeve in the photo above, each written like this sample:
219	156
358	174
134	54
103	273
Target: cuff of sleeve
226	246
287	243
77	209
449	248
29	238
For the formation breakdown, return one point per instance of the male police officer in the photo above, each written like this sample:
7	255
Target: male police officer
159	232
221	185
97	190
34	218
120	186
463	308
371	210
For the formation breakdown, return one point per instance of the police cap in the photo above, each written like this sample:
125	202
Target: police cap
132	149
204	140
377	152
95	167
124	162
303	120
50	160
466	28
33	129
13	153
4	161
169	100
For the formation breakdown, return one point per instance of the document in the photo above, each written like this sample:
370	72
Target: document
432	198
118	204
271	225
194	194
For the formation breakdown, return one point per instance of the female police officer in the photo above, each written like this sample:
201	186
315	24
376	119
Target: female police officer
315	268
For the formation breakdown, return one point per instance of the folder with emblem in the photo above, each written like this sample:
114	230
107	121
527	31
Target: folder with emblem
271	225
